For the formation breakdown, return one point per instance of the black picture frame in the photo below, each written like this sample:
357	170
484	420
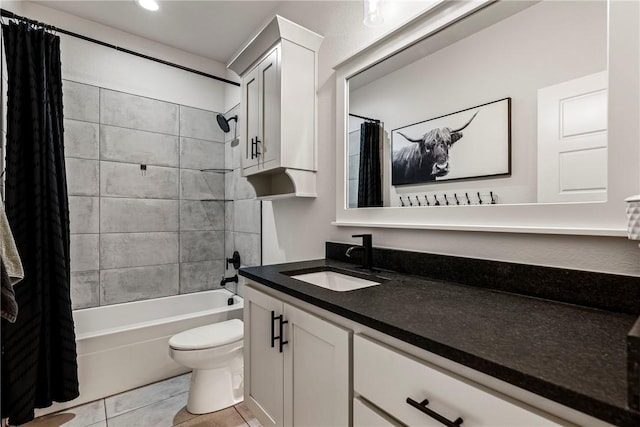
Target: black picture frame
428	152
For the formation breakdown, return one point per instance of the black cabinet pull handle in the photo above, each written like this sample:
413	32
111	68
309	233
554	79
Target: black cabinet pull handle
282	343
273	329
422	407
257	151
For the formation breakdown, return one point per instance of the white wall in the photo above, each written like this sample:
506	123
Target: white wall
513	58
297	229
89	63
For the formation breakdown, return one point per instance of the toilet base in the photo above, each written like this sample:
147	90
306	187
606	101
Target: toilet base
214	389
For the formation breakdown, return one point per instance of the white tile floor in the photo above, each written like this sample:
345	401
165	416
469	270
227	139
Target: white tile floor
157	405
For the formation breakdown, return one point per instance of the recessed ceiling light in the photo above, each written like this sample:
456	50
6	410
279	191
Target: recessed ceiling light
148	4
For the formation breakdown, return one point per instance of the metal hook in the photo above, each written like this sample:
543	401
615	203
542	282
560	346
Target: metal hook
409	199
468	199
446	200
479	198
427	200
455	196
402	201
418	200
436	199
493	201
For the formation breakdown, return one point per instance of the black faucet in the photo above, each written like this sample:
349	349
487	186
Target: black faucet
367	248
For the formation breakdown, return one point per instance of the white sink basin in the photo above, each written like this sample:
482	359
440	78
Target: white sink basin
335	281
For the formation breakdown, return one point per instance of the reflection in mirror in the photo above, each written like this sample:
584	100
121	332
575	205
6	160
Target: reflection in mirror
534	73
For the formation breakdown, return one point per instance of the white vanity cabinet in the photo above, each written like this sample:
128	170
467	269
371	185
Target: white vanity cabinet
278	119
418	394
296	365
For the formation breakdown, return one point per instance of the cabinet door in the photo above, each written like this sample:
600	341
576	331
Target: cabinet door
251	86
316	374
263	365
365	416
270	108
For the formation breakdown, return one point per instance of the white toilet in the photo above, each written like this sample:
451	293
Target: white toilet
214	352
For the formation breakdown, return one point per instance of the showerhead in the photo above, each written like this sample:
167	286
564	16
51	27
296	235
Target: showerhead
223	122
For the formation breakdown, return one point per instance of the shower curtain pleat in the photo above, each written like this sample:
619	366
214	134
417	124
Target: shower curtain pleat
370	172
39	363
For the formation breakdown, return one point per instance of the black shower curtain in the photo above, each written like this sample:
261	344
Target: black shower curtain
370	176
38	351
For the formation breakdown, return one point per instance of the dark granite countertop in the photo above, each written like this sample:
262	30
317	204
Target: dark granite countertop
571	354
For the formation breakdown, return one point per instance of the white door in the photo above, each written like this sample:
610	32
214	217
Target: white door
572	140
316	374
270	108
263	364
252	113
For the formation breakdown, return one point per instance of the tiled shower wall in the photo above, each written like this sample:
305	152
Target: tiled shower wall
147	218
243	214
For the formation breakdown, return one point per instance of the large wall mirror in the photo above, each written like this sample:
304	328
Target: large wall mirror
488	115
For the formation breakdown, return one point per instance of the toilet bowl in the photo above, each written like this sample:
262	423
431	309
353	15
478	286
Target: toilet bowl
214	352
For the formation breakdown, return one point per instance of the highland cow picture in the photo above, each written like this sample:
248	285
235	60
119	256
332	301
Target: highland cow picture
473	143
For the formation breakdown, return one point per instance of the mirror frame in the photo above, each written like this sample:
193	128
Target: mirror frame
589	218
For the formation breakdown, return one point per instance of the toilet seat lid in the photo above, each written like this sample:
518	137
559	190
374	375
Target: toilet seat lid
209	336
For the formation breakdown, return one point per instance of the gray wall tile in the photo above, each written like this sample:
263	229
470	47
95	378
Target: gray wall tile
353	193
138	283
85	252
201	245
229	244
248	244
137	112
80	139
118	215
200	154
241	187
81	102
137	146
127	180
200	276
246	216
201	124
138	249
84	214
82	177
354	167
197	185
201	215
85	289
228	186
228	216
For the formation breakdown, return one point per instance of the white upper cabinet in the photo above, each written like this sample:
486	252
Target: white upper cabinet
278	121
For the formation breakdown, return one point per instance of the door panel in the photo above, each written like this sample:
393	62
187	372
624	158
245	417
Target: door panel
263	364
316	391
252	114
572	140
270	103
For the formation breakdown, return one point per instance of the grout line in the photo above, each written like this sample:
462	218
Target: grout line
100	209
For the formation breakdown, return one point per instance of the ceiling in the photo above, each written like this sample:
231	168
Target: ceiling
212	29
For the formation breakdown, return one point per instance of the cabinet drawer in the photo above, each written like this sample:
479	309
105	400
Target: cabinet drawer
364	416
387	378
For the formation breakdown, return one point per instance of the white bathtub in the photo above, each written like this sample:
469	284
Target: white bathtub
124	346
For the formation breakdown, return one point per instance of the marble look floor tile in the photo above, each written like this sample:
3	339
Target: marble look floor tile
165	413
247	415
147	395
80	416
225	418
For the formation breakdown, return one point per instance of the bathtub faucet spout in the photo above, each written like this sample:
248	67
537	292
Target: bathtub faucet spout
226	280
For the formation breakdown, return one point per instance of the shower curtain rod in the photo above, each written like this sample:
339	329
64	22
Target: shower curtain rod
8	14
365	118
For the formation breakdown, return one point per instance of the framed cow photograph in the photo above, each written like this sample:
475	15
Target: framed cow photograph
472	143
